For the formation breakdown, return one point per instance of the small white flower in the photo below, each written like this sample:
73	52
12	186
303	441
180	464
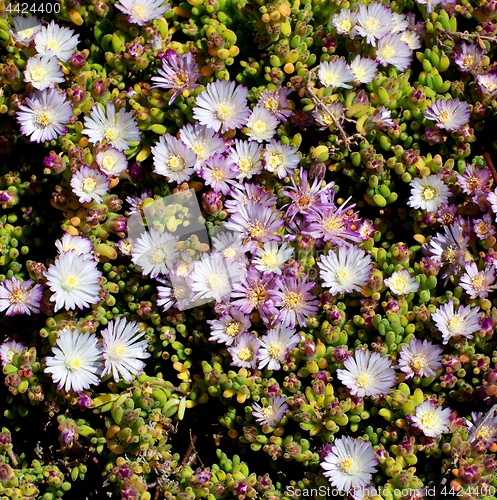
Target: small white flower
449	114
111	162
75	281
477	284
89	184
275	345
464	322
9	349
374	21
77	360
271	414
346	271
420	358
367	374
364	69
262	125
431	419
124	348
393	50
280	158
344	22
229	328
203	141
212	278
60	41
335	74
222	106
349	464
142	11
246	158
43	71
429	193
17	297
271	257
154	252
44	115
25	29
244	353
173	159
118	130
402	283
82	246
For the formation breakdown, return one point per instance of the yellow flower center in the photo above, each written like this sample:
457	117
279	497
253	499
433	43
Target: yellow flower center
344	25
271	103
275	351
347	465
74	363
333	223
418	362
233	328
363	381
275	160
429	420
176	164
52	44
17	297
111	133
257	230
246	354
218	175
89	184
117	350
38	74
244	165
292	300
223	112
454	324
259	127
70	282
43	118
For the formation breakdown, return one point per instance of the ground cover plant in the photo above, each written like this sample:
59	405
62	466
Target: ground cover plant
248	249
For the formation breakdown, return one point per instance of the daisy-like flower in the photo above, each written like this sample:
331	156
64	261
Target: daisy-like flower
484	227
74	281
429	193
256	223
449	114
272	413
393	50
477	284
333	224
124	348
275	345
25	29
17	297
367	374
402	283
486	432
154	252
488	84
173	159
280	158
335	74
117	130
222	106
9	349
81	245
111	161
212	279
43	71
142	11
431	419
276	102
344	22
218	173
229	328
294	300
244	353
420	359
465	322
60	41
305	197
379	120
373	22
203	141
246	158
270	258
230	245
77	360
261	125
364	69
474	179
346	271
328	117
89	184
450	248
411	38
43	116
349	464
178	73
467	56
